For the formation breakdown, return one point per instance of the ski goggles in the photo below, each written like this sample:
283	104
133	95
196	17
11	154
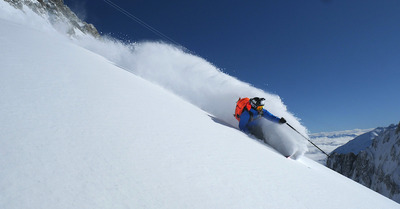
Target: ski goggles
259	108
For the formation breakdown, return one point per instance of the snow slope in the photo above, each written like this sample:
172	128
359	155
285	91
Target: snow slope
79	132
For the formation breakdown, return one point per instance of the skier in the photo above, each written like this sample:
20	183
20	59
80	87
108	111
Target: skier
249	111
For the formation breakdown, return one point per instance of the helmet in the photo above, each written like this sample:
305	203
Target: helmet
257	102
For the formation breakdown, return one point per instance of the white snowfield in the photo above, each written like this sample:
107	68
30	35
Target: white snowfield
79	132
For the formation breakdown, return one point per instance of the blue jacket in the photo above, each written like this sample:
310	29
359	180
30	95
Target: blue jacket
249	119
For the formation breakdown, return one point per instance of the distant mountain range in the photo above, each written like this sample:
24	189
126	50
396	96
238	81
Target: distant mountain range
339	134
329	141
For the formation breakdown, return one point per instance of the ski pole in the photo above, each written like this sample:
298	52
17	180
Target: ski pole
308	139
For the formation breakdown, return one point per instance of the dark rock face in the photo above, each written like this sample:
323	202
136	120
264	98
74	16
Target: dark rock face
57	12
376	167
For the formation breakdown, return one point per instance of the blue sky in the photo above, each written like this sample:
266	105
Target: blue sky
335	64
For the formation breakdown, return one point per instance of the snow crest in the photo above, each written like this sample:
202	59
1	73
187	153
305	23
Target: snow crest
197	81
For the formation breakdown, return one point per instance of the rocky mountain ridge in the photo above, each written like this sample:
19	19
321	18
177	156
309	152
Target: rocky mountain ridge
56	12
377	166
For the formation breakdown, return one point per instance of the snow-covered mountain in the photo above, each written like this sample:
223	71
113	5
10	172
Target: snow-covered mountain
372	159
84	127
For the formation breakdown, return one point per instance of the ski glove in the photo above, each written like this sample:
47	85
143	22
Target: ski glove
282	120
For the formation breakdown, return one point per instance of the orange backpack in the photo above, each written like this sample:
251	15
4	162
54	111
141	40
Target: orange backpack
240	105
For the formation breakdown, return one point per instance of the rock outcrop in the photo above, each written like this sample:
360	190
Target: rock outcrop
57	12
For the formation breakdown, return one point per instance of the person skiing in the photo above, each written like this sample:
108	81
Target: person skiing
249	111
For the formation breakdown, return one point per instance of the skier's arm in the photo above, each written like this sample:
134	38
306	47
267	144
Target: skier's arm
270	116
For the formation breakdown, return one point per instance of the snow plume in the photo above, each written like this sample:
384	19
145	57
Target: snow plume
190	77
199	82
283	140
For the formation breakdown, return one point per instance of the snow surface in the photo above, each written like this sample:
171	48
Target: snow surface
77	131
